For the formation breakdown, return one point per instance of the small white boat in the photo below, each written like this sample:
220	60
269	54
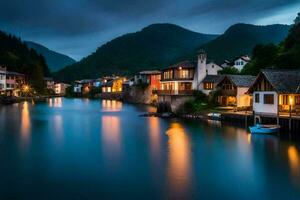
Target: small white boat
264	129
214	116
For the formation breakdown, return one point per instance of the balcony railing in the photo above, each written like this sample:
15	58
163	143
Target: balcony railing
174	92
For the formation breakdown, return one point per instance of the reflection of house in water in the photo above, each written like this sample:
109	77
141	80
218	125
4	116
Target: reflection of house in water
25	124
179	160
111	137
111	105
55	102
294	161
155	136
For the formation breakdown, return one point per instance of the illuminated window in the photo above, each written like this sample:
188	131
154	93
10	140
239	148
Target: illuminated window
208	86
168	74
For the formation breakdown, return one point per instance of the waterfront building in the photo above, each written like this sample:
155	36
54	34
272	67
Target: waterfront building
49	83
179	81
151	78
233	91
276	93
240	62
83	86
113	86
11	82
60	88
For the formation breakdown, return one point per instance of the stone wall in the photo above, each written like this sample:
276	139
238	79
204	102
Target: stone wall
138	94
174	102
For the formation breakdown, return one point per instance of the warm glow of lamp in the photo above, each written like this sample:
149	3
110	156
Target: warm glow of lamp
291	100
180	68
26	88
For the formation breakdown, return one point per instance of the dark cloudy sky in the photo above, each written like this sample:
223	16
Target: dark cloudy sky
78	27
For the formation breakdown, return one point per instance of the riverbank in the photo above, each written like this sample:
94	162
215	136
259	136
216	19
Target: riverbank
12	100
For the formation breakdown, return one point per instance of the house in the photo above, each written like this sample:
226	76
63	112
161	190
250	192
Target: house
152	78
276	92
225	64
179	81
49	83
60	88
209	83
233	91
97	82
83	86
240	62
11	82
113	86
184	77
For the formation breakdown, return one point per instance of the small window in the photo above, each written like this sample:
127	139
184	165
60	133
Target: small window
213	66
256	98
268	99
208	86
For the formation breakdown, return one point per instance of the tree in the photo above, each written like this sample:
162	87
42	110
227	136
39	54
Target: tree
263	56
297	20
230	70
289	52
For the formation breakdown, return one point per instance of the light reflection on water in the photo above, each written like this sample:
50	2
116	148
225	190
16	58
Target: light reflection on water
111	105
155	135
111	136
55	102
25	123
179	160
106	146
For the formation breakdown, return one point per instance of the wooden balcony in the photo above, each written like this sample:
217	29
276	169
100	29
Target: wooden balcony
175	92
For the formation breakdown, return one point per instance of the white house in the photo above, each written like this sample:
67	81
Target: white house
60	88
240	62
2	79
276	92
185	77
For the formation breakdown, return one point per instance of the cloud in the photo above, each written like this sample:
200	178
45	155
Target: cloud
77	27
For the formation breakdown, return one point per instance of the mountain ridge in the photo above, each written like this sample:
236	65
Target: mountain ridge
54	60
240	39
150	48
159	45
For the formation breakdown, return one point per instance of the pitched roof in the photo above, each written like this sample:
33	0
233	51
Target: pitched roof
184	65
241	80
283	81
244	58
213	78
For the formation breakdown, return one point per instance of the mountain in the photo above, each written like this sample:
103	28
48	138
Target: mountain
55	61
153	47
16	56
240	39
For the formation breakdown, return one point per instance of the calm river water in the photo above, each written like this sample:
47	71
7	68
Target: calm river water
84	149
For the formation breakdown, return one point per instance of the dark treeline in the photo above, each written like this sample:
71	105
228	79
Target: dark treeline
16	56
286	55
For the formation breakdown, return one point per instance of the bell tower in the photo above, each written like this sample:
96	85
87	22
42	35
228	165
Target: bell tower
201	67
